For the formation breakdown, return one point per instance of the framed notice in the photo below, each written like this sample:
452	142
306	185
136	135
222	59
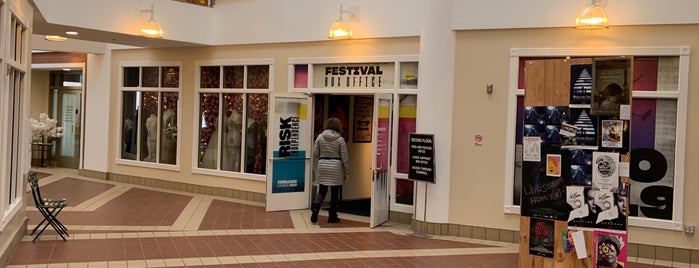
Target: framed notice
363	111
421	157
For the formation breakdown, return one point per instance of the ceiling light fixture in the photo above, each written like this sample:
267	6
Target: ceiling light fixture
71	33
592	16
151	28
340	28
55	38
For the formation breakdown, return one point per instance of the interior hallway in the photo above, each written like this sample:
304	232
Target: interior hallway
114	224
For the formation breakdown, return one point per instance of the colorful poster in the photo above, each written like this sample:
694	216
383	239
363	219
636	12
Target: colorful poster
541	237
612	133
553	165
610	249
289	146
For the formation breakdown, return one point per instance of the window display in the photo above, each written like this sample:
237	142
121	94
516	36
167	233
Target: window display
233	120
149	116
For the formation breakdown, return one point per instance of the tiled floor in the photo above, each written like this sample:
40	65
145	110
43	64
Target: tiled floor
122	225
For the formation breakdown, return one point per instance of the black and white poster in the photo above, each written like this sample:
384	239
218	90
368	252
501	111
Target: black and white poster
580	83
605	170
585	125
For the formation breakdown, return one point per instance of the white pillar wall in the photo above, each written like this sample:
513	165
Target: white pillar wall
97	109
435	95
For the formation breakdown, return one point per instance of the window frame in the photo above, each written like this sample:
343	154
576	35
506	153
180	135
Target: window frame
14	105
198	90
160	89
682	52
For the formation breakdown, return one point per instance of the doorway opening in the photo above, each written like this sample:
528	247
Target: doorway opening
65	105
355	114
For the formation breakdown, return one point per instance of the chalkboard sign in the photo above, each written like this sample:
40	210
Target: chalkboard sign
421	157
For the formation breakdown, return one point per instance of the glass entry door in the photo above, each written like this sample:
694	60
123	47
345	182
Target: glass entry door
67	109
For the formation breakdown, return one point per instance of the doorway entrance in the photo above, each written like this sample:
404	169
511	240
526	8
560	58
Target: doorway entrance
366	130
65	105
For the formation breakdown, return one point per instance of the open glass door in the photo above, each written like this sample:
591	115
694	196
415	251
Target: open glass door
288	185
380	162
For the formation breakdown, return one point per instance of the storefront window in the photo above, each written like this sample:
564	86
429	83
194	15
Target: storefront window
150	114
656	129
233	119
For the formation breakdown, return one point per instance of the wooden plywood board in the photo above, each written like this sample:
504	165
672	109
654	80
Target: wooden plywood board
560	258
547	82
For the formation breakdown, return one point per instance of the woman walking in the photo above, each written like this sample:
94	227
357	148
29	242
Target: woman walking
330	166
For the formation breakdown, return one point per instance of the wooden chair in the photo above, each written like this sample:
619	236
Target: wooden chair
49	209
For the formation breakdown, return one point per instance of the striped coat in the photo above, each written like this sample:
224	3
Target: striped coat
330	158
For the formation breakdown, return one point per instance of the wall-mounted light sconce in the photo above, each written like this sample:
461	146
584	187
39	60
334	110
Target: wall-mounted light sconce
341	28
592	16
151	28
55	38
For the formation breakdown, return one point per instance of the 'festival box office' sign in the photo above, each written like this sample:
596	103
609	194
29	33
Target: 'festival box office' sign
354	75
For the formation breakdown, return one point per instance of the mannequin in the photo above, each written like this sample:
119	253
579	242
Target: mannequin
168	146
151	139
230	157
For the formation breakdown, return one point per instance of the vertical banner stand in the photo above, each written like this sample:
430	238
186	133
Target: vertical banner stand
422	234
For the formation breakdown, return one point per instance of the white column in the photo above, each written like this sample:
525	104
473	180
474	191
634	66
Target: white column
434	105
97	112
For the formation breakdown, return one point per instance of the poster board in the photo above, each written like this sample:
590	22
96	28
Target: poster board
548	83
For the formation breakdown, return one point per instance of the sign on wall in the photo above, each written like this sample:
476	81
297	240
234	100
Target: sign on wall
354	75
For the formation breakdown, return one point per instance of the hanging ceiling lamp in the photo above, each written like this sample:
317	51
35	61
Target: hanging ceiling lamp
340	29
151	28
592	16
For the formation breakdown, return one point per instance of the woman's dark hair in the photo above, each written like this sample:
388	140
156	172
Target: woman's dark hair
334	124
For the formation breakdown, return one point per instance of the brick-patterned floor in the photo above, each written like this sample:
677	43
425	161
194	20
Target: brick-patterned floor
122	225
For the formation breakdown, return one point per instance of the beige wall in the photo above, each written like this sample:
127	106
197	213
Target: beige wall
39	101
280	53
482	57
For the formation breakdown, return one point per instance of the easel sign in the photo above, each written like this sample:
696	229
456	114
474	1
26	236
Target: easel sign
421	157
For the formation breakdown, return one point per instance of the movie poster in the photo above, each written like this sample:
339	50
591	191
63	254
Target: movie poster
610	249
580	167
543	196
545	122
595	208
541	237
580	83
585	125
610	86
612	133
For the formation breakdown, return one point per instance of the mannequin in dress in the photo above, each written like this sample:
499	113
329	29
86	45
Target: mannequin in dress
168	146
230	157
151	139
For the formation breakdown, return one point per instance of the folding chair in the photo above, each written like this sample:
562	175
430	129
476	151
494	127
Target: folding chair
49	209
